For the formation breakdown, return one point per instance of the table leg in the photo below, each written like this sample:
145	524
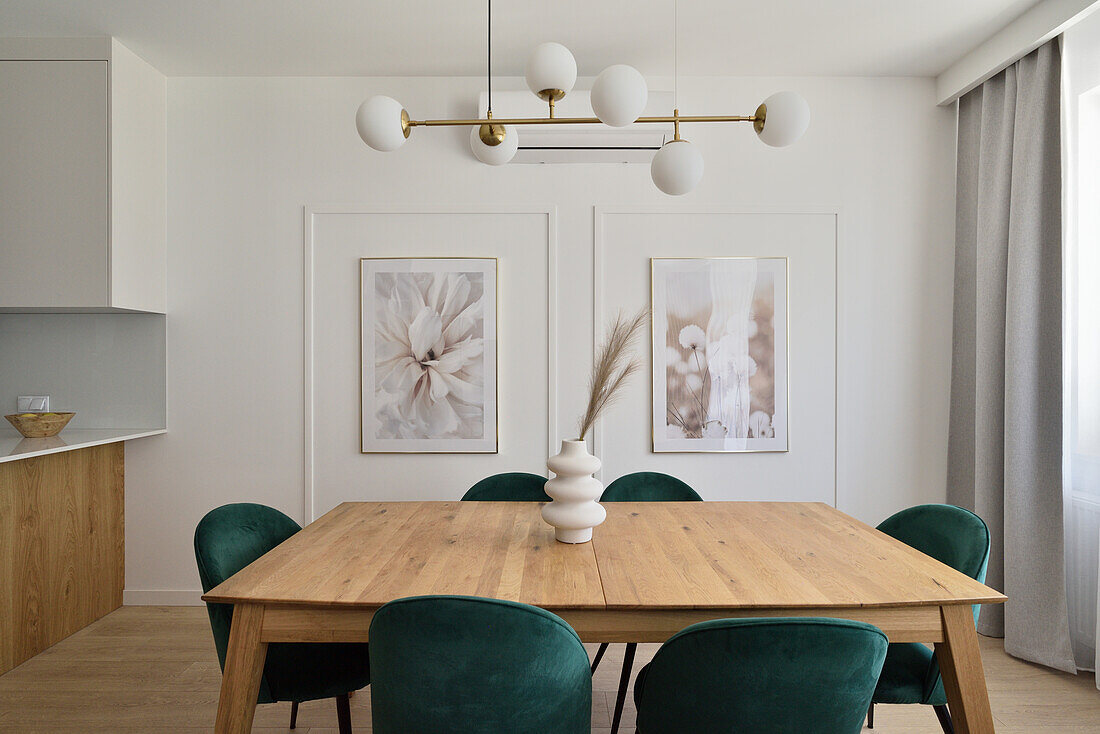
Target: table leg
624	681
244	665
961	667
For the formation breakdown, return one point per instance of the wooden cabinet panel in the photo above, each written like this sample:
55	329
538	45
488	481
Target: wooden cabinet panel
53	184
61	547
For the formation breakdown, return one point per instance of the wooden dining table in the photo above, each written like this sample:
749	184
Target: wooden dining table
650	570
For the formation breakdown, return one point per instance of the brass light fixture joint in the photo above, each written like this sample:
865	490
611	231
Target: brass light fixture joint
406	126
759	118
491	134
550	101
551	95
676	124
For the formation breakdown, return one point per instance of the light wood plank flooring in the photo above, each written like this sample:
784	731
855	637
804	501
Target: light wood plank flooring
153	669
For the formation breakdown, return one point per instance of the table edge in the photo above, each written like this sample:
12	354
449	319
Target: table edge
1000	599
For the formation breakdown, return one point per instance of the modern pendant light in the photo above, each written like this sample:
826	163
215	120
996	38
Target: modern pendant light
677	167
383	123
788	116
494	145
619	96
551	71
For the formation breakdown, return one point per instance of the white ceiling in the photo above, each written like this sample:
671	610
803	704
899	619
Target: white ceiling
447	37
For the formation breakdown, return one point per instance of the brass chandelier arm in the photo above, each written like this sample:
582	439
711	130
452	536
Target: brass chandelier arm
578	120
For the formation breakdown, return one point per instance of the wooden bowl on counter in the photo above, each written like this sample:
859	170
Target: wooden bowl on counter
39	425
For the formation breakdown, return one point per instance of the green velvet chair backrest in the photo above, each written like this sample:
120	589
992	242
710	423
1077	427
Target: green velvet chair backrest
955	537
762	676
952	535
228	539
465	664
515	486
649	486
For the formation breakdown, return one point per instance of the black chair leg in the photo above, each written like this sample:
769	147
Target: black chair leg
293	714
871	716
624	681
599	656
343	713
945	719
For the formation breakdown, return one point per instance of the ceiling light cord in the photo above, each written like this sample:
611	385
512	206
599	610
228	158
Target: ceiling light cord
675	53
489	51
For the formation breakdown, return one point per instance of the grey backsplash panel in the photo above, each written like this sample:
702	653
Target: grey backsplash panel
109	368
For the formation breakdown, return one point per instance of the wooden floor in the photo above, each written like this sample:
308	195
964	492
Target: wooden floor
153	669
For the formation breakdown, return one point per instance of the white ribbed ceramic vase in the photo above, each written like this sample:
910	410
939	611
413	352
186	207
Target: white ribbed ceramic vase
575	510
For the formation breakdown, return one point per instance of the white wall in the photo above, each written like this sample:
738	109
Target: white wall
246	155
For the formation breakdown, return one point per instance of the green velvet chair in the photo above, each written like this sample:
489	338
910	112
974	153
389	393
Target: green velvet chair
642	486
463	664
649	486
957	538
515	486
762	676
228	539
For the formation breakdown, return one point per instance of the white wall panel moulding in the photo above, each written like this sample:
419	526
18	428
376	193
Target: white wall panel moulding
626	237
338	234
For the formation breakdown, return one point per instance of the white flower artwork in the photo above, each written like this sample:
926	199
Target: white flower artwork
719	354
428	355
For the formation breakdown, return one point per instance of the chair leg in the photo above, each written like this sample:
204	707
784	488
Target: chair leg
293	714
599	656
624	681
945	719
871	716
343	713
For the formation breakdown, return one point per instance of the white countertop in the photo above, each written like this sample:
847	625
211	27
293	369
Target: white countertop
14	447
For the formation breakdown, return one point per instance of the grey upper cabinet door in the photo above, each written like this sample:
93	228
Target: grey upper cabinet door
54	185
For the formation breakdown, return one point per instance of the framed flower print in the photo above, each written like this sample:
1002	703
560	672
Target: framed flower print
429	355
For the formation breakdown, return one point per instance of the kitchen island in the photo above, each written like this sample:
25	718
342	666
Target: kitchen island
62	541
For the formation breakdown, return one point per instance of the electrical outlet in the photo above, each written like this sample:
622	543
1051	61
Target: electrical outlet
32	404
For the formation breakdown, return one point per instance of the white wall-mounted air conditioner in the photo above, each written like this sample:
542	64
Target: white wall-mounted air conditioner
597	143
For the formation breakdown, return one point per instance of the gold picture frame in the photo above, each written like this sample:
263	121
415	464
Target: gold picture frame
403	418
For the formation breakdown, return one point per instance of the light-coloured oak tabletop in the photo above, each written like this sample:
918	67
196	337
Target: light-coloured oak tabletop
368	553
653	555
747	555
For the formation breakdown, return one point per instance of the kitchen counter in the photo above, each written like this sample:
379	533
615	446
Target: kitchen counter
14	447
63	557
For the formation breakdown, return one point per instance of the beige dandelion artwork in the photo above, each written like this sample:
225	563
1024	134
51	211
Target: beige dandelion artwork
716	330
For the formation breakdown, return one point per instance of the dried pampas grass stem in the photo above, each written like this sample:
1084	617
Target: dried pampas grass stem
615	363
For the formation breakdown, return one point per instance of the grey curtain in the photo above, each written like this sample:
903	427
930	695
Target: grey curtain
1005	436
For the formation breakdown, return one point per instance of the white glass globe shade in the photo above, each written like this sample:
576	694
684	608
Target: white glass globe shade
379	123
551	66
619	95
494	155
786	118
677	167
